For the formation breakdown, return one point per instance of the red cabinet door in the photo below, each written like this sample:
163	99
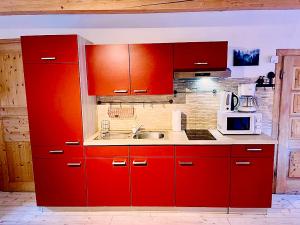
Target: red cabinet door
53	102
200	56
152	181
50	48
202	182
151	69
108	182
251	182
108	70
59	182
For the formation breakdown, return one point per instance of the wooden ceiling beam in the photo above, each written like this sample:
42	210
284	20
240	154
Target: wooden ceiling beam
19	7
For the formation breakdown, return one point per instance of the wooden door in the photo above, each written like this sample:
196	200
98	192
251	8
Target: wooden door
108	70
59	182
108	181
288	167
16	172
202	182
251	182
54	106
193	56
151	69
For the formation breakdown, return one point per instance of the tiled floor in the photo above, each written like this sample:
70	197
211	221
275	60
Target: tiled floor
19	208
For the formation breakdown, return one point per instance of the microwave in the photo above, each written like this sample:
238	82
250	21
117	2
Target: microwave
239	122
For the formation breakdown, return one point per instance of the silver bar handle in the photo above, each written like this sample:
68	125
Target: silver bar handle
201	63
242	163
72	142
74	164
140	163
48	58
56	151
140	91
119	163
120	91
254	149
185	163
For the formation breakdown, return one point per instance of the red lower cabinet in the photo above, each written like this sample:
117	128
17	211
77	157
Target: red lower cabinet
59	182
152	177
251	182
108	182
202	182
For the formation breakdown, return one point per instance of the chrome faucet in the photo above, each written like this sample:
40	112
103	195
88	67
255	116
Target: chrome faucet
136	129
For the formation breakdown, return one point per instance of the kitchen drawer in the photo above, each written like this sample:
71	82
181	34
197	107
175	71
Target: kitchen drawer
203	151
57	151
49	49
149	151
252	151
107	151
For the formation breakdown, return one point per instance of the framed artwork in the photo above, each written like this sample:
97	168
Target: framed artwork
246	57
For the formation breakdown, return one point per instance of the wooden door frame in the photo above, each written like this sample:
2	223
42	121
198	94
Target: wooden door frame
281	53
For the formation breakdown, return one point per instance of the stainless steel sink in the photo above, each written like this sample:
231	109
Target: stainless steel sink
129	135
115	135
150	135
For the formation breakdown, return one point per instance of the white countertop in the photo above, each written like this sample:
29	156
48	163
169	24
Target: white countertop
180	138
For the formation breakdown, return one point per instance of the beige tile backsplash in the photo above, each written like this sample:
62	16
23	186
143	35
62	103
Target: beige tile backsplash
195	99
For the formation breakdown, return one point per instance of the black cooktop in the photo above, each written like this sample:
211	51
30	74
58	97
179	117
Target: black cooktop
199	134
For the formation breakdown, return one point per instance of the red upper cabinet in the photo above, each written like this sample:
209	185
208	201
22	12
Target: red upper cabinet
108	70
50	48
53	103
193	56
151	69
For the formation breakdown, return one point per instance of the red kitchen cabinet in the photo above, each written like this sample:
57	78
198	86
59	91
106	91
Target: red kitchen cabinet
53	103
152	177
59	182
108	182
193	56
202	176
108	70
251	182
50	49
151	69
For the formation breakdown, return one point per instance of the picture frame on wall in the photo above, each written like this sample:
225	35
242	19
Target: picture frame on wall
246	57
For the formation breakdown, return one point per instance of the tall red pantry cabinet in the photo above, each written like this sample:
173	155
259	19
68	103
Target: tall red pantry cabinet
51	68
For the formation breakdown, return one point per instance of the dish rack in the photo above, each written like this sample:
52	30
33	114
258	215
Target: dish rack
120	113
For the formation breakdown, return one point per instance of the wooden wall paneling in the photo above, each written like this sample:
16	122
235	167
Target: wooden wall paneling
19	161
16	129
12	85
15	151
136	6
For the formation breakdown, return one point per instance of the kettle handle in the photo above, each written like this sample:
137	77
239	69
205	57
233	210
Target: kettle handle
237	101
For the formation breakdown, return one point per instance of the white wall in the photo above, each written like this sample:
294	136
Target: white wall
267	30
